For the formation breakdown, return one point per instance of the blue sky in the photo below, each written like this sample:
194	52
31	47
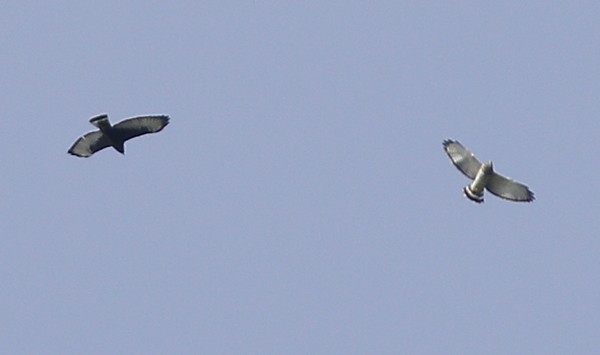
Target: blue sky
300	201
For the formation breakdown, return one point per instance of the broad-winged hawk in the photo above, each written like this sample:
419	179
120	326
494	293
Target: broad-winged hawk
483	176
116	135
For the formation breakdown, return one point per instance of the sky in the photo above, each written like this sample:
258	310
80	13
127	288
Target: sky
299	201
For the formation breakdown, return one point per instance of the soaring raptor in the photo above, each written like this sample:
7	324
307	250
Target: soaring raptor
115	136
484	176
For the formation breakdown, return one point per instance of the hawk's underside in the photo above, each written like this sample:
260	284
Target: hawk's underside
484	176
115	136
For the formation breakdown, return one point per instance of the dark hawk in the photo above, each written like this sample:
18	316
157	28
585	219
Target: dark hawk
116	136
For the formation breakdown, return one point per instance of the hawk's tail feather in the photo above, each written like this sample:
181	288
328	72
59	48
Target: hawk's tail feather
473	196
100	121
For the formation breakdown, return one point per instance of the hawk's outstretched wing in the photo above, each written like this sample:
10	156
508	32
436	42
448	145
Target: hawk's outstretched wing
89	144
508	189
137	126
462	158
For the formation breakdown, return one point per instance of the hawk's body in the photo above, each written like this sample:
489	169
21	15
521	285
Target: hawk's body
484	176
115	136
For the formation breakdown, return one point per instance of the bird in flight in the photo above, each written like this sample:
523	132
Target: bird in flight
484	176
115	135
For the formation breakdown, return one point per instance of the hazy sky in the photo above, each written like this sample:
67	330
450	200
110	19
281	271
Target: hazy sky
299	202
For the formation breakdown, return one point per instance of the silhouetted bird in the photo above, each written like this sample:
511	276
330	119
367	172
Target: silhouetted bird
115	136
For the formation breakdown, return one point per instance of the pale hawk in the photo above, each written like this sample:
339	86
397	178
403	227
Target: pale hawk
116	135
483	176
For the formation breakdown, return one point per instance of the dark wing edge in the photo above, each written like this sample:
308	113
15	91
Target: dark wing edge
89	144
140	125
